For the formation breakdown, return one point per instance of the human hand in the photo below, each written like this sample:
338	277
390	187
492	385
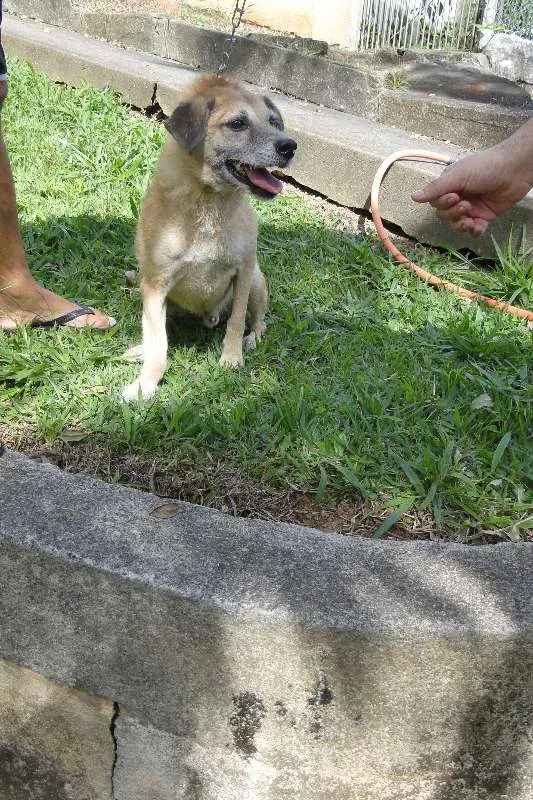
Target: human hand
477	188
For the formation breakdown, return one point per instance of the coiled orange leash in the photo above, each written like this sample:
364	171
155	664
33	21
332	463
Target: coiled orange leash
433	280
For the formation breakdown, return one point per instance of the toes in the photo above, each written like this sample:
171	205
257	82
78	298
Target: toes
231	360
132	392
135	391
260	330
7	324
98	321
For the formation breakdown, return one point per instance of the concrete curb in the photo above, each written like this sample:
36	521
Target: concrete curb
314	79
270	660
338	153
473	126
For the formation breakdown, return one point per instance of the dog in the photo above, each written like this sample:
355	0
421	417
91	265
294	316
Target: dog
196	237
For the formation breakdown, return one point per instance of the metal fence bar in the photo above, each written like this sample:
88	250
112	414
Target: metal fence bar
429	24
397	28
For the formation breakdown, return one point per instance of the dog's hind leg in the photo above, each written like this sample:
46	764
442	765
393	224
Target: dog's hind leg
257	306
154	345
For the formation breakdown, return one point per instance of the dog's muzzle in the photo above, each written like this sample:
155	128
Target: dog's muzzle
286	147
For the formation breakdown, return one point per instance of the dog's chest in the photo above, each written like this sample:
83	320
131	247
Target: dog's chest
203	271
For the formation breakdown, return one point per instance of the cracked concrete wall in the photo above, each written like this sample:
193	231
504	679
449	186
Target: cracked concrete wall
252	659
55	743
315	79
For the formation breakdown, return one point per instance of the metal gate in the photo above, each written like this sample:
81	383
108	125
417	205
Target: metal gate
426	24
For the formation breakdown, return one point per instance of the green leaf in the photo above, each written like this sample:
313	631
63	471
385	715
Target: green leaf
352	479
166	511
412	476
72	435
498	453
430	495
391	520
322	484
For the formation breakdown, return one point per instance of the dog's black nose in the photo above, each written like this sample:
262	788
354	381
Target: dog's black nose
286	147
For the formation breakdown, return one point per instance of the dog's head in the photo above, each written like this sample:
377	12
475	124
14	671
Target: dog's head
232	136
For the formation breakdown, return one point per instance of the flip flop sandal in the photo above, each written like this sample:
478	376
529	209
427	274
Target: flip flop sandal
64	318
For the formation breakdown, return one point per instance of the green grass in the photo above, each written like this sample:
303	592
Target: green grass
366	382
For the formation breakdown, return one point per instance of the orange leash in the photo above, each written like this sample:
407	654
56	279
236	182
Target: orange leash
434	280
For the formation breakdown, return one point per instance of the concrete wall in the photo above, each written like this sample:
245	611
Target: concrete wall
55	743
338	153
333	21
250	660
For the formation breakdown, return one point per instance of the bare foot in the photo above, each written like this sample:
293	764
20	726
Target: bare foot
32	303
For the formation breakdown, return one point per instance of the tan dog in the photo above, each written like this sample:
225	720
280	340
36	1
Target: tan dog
197	234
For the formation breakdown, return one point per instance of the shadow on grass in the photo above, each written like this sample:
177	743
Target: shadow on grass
363	386
363	372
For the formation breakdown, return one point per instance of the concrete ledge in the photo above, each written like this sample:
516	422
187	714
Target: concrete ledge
465	123
344	87
338	153
314	79
311	78
71	58
268	660
55	12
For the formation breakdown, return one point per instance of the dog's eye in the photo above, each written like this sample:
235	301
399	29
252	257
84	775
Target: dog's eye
276	122
239	124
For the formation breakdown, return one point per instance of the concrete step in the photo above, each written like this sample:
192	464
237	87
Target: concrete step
338	153
455	98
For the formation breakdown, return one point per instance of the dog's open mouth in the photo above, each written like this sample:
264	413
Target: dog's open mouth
259	180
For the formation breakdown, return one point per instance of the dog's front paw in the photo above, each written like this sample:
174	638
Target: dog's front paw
137	391
231	358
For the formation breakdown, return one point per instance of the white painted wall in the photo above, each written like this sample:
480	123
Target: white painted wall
335	21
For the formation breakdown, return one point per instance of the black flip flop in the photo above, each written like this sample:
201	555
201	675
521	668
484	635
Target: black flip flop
64	318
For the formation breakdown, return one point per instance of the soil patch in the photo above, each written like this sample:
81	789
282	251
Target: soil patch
225	489
218	486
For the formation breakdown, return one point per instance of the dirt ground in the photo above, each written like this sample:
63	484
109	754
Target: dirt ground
218	486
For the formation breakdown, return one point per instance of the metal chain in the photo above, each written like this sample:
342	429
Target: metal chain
236	19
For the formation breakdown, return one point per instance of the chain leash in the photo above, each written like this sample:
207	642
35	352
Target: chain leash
236	20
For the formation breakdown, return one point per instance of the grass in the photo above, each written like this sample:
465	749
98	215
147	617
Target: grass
397	80
369	385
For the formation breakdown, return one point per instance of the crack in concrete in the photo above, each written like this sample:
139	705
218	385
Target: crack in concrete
112	730
153	101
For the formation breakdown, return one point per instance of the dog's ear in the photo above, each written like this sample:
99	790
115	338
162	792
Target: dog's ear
188	122
276	113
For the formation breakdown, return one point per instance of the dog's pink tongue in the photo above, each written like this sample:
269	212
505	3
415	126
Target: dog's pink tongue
263	179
